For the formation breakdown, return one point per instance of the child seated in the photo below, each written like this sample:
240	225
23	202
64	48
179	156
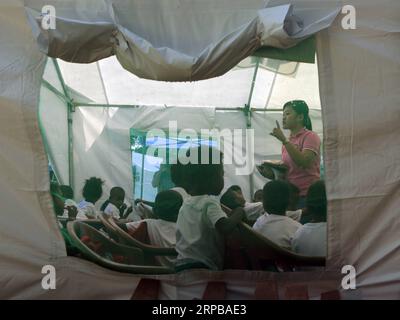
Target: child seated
115	206
68	193
92	192
233	198
202	224
294	196
258	196
58	200
162	230
274	224
177	177
62	208
178	181
310	239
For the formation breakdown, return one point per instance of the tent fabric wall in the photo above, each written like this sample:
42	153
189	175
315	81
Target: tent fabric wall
53	117
229	90
102	139
359	75
174	40
29	232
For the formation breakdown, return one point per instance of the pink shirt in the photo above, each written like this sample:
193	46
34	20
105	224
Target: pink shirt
300	177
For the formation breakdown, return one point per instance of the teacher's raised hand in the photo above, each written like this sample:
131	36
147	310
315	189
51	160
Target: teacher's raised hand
277	133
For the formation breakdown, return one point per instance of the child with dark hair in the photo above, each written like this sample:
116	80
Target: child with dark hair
258	196
202	224
92	192
62	211
62	208
167	205
294	196
115	206
67	191
274	224
178	178
233	198
162	229
310	239
58	200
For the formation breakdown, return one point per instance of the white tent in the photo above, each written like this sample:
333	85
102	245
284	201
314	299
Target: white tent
103	117
184	41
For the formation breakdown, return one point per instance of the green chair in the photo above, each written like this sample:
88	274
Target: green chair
98	248
119	233
264	254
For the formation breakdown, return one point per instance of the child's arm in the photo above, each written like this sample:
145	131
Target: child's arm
127	213
227	225
149	203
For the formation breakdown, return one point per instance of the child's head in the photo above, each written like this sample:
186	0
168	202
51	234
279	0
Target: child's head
58	201
294	195
177	175
202	175
276	197
93	190
167	205
117	196
67	191
233	197
258	196
316	203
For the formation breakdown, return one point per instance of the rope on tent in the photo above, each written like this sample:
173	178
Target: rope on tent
247	114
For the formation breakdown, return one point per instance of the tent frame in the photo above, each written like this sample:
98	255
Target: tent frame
72	105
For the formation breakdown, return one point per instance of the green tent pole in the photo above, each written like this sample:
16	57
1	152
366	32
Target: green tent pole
70	110
247	113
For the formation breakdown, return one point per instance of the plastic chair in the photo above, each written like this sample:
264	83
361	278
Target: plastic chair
99	249
264	254
120	234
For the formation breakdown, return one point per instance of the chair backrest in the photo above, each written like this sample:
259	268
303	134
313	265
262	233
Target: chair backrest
260	248
248	249
98	248
127	239
112	232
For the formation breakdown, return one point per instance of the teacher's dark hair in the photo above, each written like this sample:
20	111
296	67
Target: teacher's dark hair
300	107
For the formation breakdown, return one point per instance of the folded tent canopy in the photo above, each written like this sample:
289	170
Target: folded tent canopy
358	74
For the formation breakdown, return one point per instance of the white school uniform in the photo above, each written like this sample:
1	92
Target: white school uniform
253	210
112	211
161	234
279	229
295	215
86	210
182	192
197	239
310	240
68	203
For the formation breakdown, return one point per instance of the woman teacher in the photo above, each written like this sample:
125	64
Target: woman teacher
301	151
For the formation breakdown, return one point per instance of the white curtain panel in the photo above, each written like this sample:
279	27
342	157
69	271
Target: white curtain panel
174	40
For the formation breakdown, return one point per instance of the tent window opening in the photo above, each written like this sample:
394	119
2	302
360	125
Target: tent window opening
152	158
